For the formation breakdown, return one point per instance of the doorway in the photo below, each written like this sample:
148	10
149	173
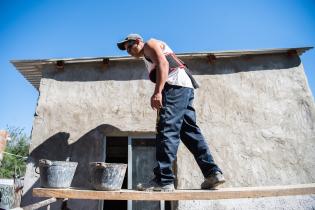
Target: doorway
139	154
117	152
143	161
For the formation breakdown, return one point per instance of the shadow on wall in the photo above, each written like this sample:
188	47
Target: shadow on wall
88	148
135	69
245	63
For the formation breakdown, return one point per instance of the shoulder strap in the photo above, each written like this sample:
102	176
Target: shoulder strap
148	59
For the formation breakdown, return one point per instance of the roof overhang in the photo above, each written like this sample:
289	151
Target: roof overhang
32	69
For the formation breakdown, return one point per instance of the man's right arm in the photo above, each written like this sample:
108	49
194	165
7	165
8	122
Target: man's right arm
152	49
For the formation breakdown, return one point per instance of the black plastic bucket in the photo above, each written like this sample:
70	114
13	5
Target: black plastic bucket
107	176
56	174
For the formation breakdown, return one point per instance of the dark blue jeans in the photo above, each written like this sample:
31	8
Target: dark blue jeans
177	120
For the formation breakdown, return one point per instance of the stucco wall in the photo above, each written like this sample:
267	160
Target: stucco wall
258	116
78	107
256	112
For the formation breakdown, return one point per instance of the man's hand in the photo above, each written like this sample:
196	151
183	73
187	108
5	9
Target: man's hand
156	101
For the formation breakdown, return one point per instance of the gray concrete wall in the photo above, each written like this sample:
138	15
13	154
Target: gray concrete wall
258	116
256	112
78	107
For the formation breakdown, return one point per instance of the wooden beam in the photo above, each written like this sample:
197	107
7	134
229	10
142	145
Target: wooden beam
223	193
40	204
37	205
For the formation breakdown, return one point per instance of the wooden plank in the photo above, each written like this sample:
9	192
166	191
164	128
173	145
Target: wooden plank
223	193
40	204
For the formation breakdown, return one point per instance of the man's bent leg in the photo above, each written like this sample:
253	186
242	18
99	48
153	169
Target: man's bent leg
193	139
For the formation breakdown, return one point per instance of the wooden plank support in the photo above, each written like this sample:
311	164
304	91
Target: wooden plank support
223	193
37	205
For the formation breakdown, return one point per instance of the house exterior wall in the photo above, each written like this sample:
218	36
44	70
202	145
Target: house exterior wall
260	125
256	112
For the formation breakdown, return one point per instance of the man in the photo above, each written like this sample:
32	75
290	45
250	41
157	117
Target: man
173	99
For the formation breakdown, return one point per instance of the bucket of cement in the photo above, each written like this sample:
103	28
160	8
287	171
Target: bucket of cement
107	176
56	174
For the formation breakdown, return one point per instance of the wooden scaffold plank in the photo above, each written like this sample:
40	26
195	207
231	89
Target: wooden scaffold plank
223	193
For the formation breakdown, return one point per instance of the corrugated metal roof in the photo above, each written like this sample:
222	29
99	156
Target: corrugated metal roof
32	69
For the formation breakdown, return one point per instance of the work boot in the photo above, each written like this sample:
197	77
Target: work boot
213	181
154	185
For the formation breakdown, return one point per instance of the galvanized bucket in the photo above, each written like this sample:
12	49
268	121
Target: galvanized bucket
56	174
107	176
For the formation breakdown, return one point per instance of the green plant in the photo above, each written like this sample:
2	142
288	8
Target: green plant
14	161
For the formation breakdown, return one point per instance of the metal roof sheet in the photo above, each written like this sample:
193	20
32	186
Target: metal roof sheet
32	69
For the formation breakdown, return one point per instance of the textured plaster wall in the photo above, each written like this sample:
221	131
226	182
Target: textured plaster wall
260	125
256	112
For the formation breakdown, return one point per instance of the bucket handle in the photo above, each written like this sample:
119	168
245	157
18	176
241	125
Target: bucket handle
45	162
36	170
42	162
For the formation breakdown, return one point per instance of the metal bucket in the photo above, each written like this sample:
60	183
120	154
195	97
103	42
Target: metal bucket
56	174
107	176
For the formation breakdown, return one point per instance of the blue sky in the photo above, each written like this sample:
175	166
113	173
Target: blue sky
36	29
